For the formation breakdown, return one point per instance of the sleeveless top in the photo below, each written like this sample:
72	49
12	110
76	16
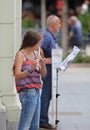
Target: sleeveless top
32	80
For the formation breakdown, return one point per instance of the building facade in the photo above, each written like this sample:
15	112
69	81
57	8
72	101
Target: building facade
10	39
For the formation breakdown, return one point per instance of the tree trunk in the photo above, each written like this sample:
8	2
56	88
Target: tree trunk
43	14
65	28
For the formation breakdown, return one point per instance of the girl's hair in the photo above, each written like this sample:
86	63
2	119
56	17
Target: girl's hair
30	39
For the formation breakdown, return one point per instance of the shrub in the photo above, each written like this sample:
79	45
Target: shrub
80	58
28	23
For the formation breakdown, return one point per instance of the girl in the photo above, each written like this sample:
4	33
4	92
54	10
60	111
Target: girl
28	68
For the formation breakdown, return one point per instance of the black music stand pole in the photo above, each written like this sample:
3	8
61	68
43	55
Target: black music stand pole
57	95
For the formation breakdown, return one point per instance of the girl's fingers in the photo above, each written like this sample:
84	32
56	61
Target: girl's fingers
34	64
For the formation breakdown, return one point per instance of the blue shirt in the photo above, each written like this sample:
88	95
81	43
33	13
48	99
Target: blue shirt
77	31
48	43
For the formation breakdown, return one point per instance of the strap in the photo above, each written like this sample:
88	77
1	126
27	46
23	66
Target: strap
27	57
24	55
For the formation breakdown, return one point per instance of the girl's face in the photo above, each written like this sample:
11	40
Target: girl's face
36	47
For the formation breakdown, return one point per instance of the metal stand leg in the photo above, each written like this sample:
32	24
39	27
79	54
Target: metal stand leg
57	95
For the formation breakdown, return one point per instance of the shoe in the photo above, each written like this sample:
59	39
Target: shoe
48	126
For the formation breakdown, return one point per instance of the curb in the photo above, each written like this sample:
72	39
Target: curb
80	65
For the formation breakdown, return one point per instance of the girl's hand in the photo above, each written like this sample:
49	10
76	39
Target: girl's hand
42	62
33	65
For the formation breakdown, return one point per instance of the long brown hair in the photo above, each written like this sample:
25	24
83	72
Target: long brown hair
30	39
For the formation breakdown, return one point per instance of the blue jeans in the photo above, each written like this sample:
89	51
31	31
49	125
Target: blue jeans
30	113
45	100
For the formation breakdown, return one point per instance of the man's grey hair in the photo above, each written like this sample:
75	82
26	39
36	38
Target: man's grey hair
51	19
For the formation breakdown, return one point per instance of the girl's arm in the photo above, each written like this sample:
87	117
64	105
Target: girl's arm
18	66
43	69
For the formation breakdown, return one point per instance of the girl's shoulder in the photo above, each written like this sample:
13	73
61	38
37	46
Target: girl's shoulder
20	55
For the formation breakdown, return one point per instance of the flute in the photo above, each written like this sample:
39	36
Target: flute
38	59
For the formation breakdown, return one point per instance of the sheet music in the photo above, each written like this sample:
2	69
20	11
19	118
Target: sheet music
64	65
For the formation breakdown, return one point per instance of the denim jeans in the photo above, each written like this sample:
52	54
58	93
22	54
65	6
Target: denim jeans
45	100
30	113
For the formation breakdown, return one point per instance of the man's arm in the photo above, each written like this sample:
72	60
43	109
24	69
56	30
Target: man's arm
47	60
44	47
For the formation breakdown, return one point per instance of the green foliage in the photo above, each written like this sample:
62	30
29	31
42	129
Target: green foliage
81	59
85	20
28	23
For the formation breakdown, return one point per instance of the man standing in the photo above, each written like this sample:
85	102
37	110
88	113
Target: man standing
75	34
48	43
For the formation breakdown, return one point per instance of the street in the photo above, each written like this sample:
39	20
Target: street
74	104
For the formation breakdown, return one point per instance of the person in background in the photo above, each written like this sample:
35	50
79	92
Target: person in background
84	17
84	7
28	68
48	43
75	32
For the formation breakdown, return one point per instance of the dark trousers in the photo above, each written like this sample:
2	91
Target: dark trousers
45	100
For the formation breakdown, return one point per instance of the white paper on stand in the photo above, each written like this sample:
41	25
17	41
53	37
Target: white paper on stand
64	65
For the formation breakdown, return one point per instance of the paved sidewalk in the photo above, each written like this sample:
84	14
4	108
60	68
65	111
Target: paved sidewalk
74	104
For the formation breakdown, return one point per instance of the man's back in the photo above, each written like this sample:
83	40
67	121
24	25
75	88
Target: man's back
48	43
